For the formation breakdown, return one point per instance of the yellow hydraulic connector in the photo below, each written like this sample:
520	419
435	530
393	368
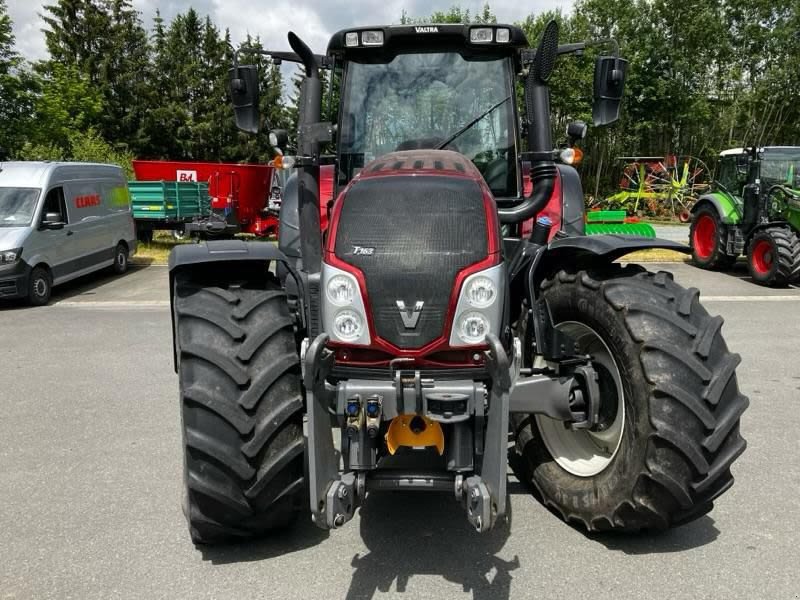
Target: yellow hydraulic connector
414	431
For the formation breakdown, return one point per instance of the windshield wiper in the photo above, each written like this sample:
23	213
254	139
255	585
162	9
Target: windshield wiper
450	139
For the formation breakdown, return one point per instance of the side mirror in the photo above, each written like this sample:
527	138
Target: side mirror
279	138
53	220
244	93
609	81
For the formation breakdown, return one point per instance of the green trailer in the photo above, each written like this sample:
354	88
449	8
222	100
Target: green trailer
167	205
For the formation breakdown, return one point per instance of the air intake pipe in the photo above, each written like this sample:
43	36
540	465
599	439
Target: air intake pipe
540	141
308	148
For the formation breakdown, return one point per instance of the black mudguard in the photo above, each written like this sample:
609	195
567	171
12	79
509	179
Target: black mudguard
584	251
222	260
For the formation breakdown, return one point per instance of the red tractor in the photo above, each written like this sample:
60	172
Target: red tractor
422	326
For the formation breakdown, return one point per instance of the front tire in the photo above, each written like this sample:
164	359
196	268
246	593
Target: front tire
242	410
681	405
40	286
773	256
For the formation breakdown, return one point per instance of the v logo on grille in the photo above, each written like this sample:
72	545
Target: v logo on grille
410	316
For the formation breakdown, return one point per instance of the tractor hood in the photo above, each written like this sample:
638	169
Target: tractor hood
421	162
411	227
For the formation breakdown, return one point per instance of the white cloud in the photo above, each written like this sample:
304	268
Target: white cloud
313	20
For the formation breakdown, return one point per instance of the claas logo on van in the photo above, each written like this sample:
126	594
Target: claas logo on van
87	200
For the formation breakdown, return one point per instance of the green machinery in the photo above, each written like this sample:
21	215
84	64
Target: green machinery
665	187
753	209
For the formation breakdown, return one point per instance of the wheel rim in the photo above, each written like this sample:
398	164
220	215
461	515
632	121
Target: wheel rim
121	259
704	238
684	216
581	452
40	287
762	257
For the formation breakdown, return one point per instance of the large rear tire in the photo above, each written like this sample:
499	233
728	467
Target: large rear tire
773	256
707	240
242	410
670	405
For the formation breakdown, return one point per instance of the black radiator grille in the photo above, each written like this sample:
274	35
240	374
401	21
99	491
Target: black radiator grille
424	230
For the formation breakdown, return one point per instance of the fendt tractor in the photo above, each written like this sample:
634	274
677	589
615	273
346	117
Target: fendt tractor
424	330
752	209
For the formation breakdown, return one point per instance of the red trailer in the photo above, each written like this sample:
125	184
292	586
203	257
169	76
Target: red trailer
241	194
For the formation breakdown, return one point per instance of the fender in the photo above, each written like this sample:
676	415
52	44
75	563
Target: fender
726	206
235	260
582	251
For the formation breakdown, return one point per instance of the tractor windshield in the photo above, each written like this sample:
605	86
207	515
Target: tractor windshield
781	168
421	100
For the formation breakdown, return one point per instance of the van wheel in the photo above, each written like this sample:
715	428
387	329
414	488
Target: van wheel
40	285
120	259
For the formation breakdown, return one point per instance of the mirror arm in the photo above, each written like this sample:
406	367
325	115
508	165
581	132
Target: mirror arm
278	55
579	47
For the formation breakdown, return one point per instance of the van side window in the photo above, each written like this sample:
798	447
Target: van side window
54	203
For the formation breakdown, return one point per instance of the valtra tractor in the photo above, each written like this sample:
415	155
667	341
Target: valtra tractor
424	330
752	209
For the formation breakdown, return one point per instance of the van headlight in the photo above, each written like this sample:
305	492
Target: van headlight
10	256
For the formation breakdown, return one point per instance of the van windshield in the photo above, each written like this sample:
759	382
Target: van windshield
17	206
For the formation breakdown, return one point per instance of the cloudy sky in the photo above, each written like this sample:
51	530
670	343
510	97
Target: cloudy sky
314	20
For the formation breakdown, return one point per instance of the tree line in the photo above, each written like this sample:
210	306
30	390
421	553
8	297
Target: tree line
704	75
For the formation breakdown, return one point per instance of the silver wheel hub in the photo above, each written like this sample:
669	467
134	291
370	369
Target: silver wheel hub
40	287
583	452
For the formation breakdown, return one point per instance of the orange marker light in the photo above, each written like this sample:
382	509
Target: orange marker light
571	156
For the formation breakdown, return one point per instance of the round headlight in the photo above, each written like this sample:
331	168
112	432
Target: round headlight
347	325
473	327
481	292
341	290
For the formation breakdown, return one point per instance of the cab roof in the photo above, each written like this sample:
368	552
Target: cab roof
426	37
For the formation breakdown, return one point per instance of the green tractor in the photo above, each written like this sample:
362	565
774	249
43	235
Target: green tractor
753	208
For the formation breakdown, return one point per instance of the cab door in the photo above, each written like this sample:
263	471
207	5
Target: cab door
58	246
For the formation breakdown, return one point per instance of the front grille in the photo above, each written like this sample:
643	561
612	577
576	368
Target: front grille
8	288
424	230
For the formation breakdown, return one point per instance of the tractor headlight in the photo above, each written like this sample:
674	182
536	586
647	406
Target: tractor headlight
480	292
344	317
341	290
473	327
481	35
480	307
347	325
351	39
372	38
503	35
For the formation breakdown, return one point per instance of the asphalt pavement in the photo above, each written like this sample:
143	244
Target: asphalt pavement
90	481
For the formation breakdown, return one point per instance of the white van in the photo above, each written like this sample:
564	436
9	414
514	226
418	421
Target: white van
59	221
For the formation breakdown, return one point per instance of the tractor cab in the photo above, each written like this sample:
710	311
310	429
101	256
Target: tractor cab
434	87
